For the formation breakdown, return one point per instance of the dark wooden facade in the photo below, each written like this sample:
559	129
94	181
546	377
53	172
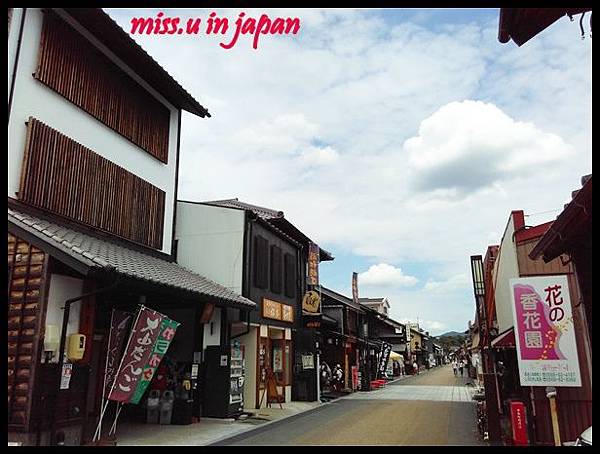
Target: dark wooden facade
276	272
66	178
78	71
27	278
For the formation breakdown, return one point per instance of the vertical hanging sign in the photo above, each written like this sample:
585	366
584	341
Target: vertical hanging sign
313	264
544	331
385	356
355	287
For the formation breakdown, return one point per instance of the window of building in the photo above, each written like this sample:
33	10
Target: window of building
276	270
261	262
289	262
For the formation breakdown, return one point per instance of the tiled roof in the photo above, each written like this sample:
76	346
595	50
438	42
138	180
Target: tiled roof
102	254
262	212
273	217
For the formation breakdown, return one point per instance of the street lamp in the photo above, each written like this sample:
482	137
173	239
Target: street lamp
479	289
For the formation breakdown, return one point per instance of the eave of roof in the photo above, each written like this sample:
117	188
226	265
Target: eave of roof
111	35
522	24
341	298
552	244
88	254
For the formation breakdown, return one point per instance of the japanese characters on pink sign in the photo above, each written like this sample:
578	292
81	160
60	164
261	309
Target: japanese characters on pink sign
544	332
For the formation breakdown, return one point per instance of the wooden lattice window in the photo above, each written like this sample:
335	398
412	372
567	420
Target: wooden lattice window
63	176
70	65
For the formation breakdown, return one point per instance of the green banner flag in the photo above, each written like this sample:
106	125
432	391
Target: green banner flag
161	345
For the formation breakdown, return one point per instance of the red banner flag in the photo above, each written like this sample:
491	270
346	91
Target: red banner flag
120	322
140	346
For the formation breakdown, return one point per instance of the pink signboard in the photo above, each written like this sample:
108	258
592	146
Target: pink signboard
544	331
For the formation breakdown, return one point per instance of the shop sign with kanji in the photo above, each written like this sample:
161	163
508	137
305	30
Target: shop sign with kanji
544	331
313	264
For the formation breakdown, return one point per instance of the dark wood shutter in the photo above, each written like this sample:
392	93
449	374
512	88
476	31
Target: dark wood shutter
261	262
289	264
276	269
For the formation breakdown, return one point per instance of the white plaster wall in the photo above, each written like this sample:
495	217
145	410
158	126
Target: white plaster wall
249	342
211	242
215	337
505	269
13	39
61	289
32	98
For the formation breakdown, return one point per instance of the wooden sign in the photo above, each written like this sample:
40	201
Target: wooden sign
277	311
311	303
287	313
271	309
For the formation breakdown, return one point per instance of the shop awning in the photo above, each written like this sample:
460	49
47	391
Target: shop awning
395	356
505	339
86	253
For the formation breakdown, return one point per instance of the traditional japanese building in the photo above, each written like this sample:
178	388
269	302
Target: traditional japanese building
93	150
347	341
256	252
497	343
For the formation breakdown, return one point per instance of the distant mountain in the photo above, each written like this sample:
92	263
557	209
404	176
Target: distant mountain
451	334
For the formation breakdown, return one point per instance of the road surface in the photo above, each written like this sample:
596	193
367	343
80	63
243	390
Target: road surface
433	408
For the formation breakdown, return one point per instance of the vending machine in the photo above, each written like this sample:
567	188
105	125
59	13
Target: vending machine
224	381
236	389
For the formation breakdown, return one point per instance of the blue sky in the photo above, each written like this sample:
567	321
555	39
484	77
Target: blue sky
399	140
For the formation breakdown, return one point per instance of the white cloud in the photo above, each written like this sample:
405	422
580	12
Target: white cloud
469	145
433	327
315	125
319	156
384	275
455	283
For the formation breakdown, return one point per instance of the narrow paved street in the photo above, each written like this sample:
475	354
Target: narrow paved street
434	408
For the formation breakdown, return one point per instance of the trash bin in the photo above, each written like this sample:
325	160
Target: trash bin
166	407
183	410
183	407
153	407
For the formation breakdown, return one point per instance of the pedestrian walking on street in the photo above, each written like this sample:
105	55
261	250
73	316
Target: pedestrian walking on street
455	367
416	368
460	366
338	377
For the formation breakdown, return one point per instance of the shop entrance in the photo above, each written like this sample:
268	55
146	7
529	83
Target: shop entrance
174	387
273	356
